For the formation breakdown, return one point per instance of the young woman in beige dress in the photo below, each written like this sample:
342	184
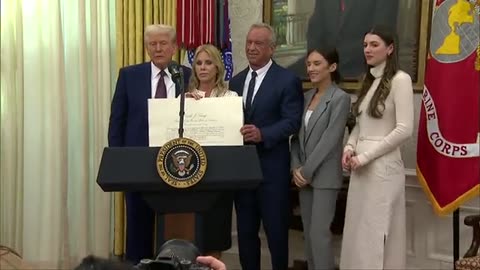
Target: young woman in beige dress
374	235
207	80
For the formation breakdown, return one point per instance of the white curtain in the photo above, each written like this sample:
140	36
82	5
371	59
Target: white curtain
57	72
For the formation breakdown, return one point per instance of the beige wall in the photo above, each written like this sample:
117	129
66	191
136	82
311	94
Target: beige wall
410	148
243	13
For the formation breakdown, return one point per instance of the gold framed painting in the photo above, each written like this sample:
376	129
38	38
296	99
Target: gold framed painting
303	24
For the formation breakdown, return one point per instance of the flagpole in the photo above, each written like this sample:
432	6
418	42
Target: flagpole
456	236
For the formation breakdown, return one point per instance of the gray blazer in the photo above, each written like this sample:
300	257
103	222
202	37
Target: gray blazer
318	146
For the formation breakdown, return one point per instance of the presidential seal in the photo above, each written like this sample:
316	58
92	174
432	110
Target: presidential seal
181	163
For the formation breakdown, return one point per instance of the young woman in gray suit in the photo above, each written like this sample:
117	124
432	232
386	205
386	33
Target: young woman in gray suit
316	155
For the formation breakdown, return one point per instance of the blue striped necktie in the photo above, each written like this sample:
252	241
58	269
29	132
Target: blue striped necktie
251	88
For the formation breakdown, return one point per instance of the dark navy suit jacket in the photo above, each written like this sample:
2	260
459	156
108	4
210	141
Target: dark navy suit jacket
129	113
129	127
277	111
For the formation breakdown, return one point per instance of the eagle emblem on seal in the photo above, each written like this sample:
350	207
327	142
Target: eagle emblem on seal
181	163
181	160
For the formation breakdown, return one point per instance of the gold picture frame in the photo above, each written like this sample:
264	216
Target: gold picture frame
415	58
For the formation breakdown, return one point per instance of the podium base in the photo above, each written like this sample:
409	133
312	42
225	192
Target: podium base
180	226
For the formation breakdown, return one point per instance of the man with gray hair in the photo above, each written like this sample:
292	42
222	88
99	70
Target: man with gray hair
273	107
129	124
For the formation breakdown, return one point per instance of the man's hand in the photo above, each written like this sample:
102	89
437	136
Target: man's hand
211	262
251	133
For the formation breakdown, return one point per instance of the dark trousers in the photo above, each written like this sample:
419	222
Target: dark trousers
140	227
270	204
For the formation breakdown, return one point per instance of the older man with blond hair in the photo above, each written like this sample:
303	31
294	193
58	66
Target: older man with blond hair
129	124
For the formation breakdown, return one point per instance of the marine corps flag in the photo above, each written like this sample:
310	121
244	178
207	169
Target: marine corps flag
448	162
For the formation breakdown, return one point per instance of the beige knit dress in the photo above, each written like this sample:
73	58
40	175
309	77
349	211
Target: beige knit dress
374	236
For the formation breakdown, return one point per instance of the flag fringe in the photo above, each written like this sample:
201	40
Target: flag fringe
449	208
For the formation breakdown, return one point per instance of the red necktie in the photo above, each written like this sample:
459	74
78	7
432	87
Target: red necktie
161	88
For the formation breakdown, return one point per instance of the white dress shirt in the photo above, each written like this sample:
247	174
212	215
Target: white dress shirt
308	114
170	85
261	72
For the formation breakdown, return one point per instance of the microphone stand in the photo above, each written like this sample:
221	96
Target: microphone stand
182	104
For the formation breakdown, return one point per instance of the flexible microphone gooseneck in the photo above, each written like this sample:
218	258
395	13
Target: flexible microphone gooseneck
177	76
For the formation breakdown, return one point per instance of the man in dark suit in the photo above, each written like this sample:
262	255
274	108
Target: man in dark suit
342	24
273	104
129	124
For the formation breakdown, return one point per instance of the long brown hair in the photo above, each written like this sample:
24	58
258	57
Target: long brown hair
377	103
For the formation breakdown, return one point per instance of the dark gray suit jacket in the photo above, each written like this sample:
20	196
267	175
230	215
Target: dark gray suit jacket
318	146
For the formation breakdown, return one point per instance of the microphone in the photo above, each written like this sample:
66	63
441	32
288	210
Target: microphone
176	72
177	77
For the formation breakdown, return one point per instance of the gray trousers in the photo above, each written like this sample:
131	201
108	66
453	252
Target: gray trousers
317	207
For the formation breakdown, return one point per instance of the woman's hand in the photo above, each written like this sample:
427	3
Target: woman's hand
298	178
193	95
346	159
355	163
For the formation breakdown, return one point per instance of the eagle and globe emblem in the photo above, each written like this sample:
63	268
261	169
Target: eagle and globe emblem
181	163
455	34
